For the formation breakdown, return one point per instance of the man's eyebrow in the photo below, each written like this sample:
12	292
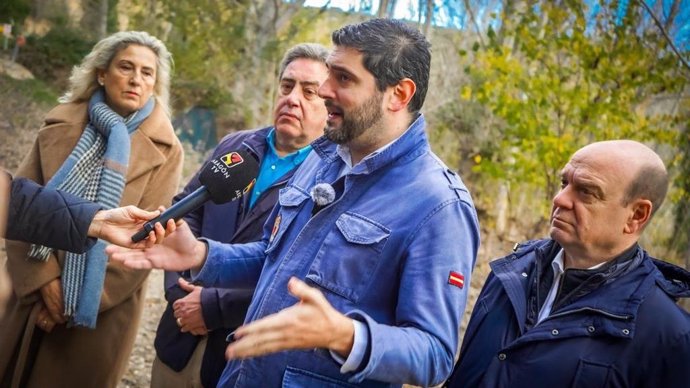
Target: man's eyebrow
342	69
305	82
309	83
589	185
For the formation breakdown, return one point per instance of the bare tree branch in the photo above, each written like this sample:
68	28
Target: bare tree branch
665	34
474	21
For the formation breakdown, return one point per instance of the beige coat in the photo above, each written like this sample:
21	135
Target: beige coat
79	357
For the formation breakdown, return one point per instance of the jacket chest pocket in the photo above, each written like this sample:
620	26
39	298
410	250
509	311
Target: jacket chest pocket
349	256
294	377
290	200
591	374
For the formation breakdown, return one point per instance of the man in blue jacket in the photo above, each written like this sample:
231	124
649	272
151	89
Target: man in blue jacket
190	340
377	271
588	307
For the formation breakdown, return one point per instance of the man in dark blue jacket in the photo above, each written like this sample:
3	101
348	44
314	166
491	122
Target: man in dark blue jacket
191	338
588	307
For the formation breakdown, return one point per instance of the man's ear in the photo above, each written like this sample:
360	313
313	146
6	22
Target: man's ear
640	216
401	95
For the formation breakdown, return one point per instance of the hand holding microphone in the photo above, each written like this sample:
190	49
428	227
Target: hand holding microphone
223	179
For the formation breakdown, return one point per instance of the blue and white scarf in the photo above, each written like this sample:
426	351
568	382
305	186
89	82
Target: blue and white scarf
95	170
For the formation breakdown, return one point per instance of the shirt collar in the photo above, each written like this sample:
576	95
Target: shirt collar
557	264
343	151
296	157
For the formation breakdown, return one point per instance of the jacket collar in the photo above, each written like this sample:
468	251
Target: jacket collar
674	280
256	142
613	305
412	143
618	298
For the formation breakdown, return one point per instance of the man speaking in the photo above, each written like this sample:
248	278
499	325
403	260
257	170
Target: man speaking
376	280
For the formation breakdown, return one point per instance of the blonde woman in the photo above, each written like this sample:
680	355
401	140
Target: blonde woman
72	319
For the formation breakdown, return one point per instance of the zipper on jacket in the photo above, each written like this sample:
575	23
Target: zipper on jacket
602	312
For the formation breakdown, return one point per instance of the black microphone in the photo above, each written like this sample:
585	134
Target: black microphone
223	179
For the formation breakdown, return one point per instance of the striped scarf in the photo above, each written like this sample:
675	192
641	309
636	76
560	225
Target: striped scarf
95	170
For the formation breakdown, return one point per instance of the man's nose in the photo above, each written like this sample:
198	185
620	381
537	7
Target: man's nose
293	98
325	90
562	198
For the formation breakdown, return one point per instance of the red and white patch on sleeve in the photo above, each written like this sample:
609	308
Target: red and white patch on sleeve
456	279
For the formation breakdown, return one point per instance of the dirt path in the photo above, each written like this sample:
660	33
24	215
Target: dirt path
139	372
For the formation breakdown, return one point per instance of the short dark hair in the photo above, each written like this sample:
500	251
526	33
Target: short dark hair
392	51
651	182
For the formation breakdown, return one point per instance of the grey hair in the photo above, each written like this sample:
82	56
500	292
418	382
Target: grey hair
651	182
83	81
313	51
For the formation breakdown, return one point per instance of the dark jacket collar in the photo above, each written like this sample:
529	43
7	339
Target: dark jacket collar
615	296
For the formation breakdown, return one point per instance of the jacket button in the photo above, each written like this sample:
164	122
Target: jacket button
626	331
524	274
502	356
554	332
590	329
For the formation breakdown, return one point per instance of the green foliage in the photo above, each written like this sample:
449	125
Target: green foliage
52	56
205	38
14	11
226	53
555	83
33	90
112	16
681	236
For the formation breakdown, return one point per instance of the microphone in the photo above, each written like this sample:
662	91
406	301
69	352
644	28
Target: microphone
223	179
322	194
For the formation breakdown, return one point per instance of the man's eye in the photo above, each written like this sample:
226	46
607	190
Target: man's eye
285	89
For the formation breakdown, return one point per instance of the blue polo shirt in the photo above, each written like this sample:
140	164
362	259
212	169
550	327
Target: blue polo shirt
273	166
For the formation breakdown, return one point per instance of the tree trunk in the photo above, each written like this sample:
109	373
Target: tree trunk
383	9
94	20
264	20
429	16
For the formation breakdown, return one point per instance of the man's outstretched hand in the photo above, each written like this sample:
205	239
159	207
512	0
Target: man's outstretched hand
310	323
179	251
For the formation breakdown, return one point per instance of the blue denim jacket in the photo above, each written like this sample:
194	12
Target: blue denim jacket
382	253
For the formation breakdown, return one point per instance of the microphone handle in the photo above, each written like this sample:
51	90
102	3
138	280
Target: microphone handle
185	206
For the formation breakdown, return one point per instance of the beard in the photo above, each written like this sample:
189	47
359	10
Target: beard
355	122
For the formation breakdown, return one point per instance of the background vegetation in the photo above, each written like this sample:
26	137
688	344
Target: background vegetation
516	86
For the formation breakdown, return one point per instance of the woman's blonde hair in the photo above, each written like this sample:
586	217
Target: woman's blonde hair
83	81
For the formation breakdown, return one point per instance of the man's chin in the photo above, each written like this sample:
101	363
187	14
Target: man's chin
334	134
557	234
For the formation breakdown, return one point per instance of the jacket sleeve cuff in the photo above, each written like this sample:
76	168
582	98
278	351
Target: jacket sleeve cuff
210	308
208	274
358	352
